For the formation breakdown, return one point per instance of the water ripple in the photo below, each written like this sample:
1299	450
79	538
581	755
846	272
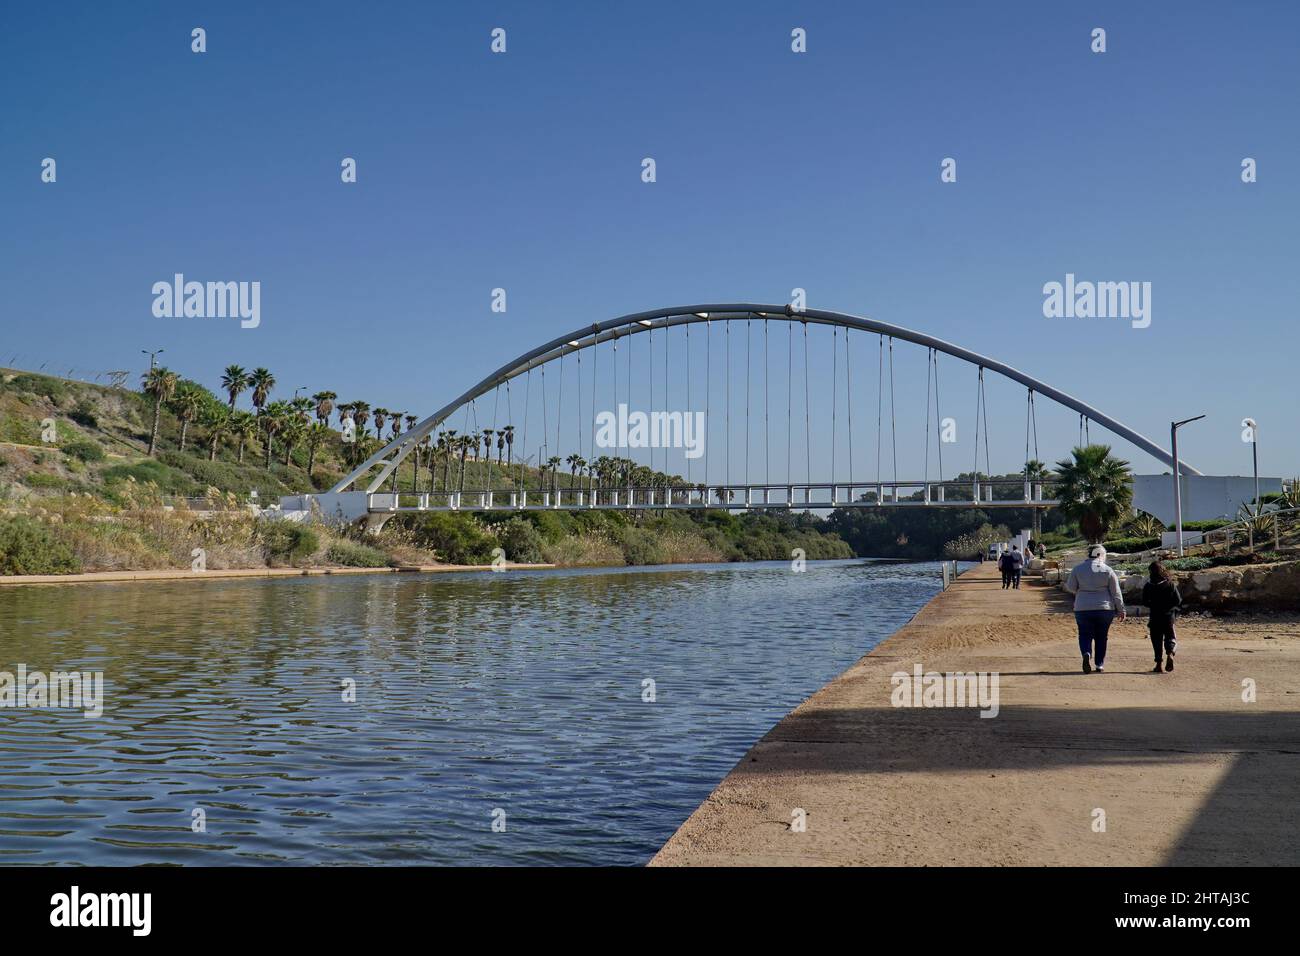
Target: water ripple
473	692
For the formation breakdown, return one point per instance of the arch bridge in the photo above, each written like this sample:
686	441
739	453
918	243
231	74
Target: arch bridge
378	487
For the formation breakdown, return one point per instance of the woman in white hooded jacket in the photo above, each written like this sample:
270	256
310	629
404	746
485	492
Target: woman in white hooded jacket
1097	602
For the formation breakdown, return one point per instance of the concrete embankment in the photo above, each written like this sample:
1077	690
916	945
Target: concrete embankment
1195	767
172	574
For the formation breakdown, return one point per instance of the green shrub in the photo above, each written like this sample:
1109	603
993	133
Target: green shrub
28	547
1208	525
1189	564
83	413
521	541
46	481
20	431
1131	545
352	554
84	449
230	476
457	538
639	546
287	540
42	385
169	480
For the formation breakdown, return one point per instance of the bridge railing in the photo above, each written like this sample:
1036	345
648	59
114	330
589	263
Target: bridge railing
987	493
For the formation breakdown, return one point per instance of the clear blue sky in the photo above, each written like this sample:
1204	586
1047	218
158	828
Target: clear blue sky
775	171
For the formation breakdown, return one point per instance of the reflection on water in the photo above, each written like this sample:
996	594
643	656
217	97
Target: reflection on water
520	691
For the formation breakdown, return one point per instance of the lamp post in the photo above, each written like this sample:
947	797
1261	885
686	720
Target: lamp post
1250	424
152	356
1178	484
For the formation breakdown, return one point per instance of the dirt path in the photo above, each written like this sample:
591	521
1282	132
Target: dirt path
1185	771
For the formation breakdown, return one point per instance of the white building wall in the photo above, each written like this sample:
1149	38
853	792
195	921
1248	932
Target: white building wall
1204	496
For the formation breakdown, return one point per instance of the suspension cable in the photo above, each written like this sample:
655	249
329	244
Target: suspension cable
528	385
880	405
807	412
983	403
690	408
979	390
708	396
767	408
835	398
938	421
559	416
578	408
929	359
749	476
544	453
496	401
893	415
848	400
650	407
789	401
630	459
1029	412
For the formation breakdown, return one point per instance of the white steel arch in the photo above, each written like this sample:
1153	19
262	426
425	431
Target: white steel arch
391	455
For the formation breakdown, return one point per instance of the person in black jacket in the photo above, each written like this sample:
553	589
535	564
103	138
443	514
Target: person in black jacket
1160	594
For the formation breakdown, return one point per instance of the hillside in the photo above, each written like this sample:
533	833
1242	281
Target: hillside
79	490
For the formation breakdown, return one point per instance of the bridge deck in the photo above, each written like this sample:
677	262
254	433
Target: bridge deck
726	498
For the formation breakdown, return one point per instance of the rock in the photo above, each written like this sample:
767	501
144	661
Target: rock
1051	576
1243	587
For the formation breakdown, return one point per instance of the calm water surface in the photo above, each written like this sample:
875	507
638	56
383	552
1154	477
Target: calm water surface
520	691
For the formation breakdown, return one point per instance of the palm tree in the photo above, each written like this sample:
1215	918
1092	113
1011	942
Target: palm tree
324	402
381	416
316	433
510	443
574	462
361	415
187	403
1147	525
159	382
261	382
217	419
234	380
1035	473
1093	488
273	420
463	442
415	465
448	441
243	426
346	411
292	433
553	463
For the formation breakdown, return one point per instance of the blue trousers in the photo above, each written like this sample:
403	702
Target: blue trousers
1094	626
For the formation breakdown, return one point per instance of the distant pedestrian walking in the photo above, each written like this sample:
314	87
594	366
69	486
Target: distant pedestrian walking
1097	602
1004	565
1017	565
1160	594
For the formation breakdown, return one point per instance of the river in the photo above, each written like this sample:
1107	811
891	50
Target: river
474	718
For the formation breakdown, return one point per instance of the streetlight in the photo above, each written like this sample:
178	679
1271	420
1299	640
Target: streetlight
152	356
297	390
1178	485
1254	453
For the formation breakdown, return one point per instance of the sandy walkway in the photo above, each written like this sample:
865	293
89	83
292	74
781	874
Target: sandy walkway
1186	772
